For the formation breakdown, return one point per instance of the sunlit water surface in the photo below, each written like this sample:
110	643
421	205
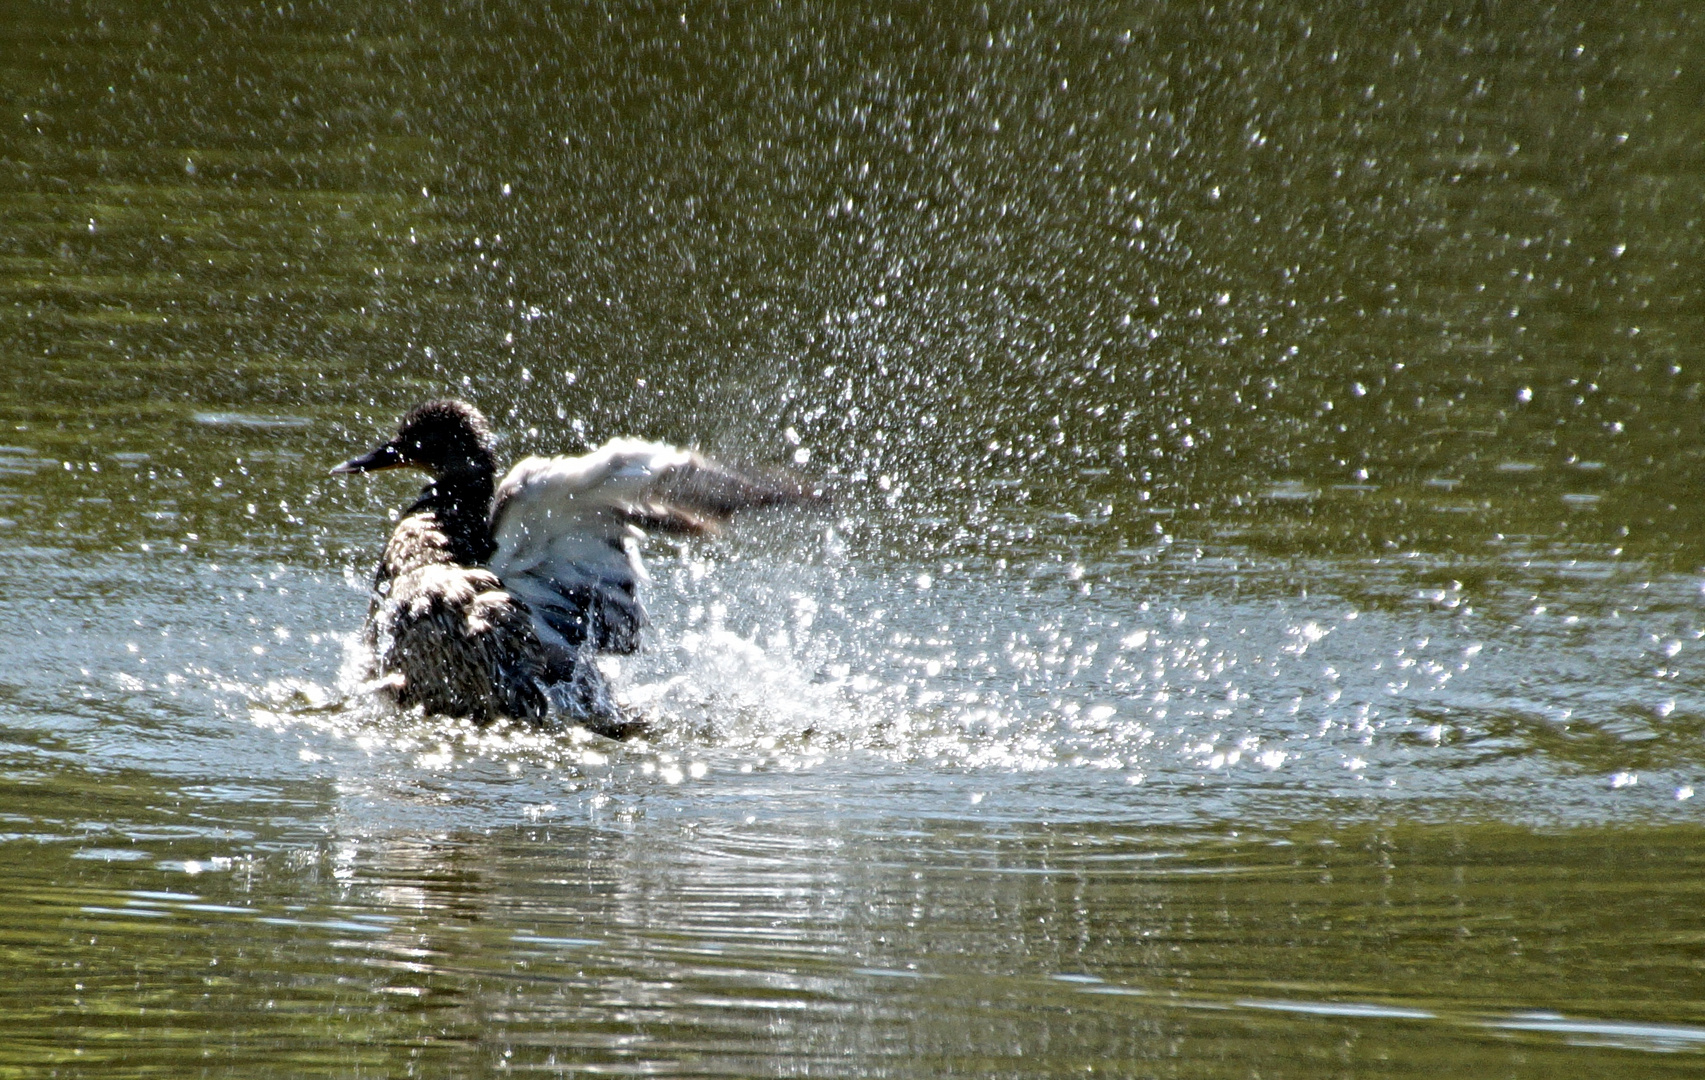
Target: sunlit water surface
1256	632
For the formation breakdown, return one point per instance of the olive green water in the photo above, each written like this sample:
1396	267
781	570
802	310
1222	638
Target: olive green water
1255	636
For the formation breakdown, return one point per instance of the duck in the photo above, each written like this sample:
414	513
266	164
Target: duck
492	599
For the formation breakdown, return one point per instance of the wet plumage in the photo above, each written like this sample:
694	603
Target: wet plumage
492	600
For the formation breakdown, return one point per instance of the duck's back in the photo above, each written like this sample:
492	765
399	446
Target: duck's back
449	637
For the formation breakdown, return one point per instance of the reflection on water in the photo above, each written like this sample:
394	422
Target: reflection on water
717	946
1255	633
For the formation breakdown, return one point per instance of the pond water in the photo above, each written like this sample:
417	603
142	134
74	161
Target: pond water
1259	630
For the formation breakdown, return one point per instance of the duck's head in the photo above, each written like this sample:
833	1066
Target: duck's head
445	438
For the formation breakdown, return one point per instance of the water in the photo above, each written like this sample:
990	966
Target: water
1255	631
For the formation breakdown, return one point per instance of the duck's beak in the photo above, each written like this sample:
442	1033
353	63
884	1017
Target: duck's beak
386	456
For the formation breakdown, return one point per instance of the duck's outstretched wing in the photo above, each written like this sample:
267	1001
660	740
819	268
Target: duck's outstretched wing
566	530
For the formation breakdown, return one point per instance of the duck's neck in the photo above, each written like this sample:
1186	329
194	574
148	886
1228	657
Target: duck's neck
460	503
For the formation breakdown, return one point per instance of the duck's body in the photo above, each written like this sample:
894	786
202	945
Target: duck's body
491	600
446	636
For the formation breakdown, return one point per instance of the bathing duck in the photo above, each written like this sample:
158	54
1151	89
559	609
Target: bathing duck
491	599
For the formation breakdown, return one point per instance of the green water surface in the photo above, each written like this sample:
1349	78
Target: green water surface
1253	635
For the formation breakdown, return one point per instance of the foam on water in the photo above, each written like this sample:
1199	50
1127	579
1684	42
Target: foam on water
1175	682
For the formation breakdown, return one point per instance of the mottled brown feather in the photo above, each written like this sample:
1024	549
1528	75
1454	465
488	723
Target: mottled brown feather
463	646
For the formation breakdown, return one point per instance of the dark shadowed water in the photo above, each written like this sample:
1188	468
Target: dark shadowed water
1255	634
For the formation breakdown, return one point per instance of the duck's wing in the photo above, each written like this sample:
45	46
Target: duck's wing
689	494
566	530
